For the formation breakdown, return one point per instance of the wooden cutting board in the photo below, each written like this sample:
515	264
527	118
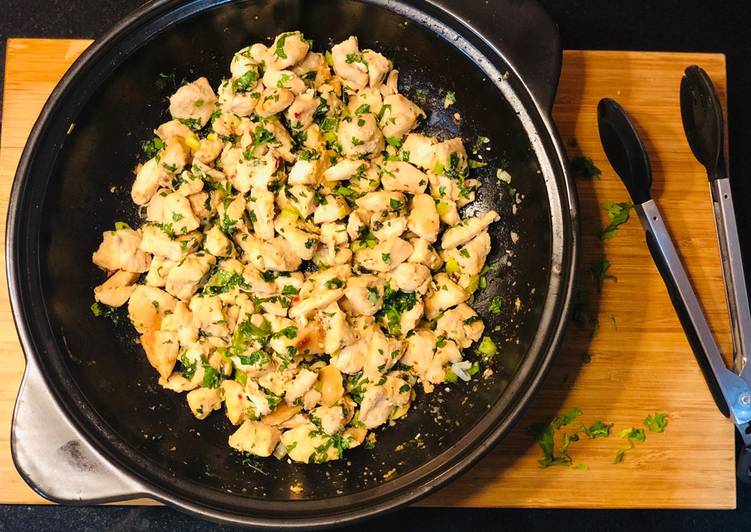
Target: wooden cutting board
640	360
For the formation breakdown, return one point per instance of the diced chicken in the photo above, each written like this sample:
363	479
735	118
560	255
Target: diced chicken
302	243
256	438
364	294
420	150
217	242
178	214
261	204
447	354
209	149
302	382
349	63
161	349
365	101
120	250
305	172
180	321
423	218
288	49
445	294
331	418
470	258
156	240
351	359
467	230
419	351
345	169
460	324
177	383
331	209
274	100
160	267
399	116
382	201
382	353
303	442
385	256
147	306
314	302
335	327
116	290
208	315
284	79
360	136
301	112
378	67
149	178
387	227
451	155
193	101
402	177
184	278
411	277
275	254
424	253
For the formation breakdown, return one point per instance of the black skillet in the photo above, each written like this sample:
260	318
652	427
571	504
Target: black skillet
92	425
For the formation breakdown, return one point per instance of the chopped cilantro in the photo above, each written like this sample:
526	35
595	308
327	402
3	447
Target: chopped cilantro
583	168
618	214
656	422
495	305
599	271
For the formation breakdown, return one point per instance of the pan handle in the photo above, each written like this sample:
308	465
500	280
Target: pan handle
54	459
523	33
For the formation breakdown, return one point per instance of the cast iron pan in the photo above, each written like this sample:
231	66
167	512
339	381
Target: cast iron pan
91	423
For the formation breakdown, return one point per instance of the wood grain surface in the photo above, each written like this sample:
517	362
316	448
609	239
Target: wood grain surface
640	360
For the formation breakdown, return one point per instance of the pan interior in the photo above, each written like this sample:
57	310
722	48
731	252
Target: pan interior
102	367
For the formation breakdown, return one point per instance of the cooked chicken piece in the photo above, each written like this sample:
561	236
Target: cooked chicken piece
470	258
275	254
244	103
156	240
188	184
331	418
209	149
303	441
231	214
450	155
274	100
411	277
331	209
174	131
178	214
193	101
313	67
208	315
349	63
149	178
467	229
402	177
120	250
302	243
282	413
399	116
384	226
256	438
180	321
261	205
299	200
444	355
284	79
424	253
304	380
234	400
282	144
301	113
116	290
382	201
314	302
344	169
288	49
357	223
351	359
385	256
460	324
381	354
334	234
160	267
423	218
256	172
360	136
378	67
421	150
177	383
448	212
161	350
147	306
184	278
217	242
445	294
305	172
379	401
419	352
365	101
243	62
364	294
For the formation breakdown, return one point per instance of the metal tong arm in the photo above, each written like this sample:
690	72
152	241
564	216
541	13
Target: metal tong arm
732	270
731	393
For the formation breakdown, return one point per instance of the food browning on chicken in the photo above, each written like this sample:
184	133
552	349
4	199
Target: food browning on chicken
302	262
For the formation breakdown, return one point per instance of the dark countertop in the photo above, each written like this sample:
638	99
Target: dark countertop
679	25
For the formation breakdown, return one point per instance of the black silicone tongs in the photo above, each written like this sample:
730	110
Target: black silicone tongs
705	130
628	157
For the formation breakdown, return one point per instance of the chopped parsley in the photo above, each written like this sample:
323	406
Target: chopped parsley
584	168
618	214
449	99
656	422
599	271
495	305
223	281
